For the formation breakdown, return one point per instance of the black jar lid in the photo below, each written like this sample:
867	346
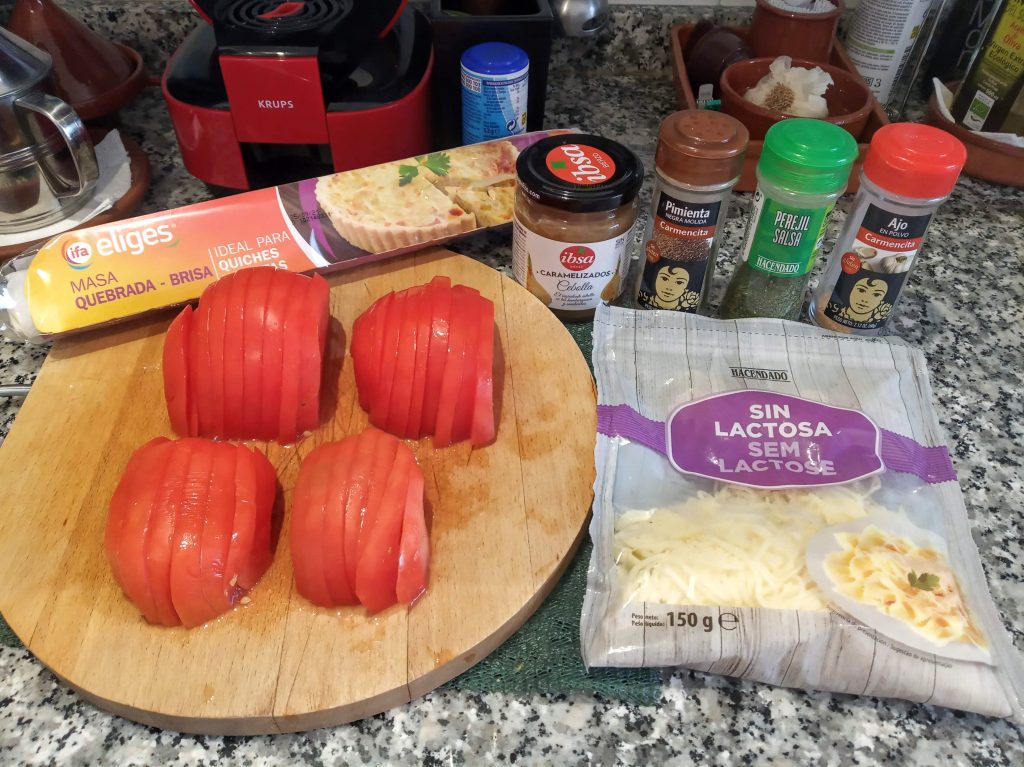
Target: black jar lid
580	173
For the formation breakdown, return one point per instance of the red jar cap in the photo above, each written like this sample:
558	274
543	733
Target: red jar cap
914	160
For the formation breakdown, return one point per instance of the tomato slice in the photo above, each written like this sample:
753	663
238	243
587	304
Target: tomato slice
186	576
380	409
363	462
160	536
218	527
421	315
272	367
216	296
467	299
128	520
175	366
376	355
365	349
199	366
307	526
237	285
414	546
254	310
249	548
482	430
439	297
288	418
377	569
405	366
459	338
314	342
385	449
340	486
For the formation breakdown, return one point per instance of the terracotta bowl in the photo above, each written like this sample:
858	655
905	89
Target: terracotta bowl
986	159
848	98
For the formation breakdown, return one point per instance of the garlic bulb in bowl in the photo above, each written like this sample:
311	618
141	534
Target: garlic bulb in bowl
789	90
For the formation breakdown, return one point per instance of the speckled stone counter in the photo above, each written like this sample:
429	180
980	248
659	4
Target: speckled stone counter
964	307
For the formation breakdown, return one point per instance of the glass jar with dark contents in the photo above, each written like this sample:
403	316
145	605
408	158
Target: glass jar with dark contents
575	208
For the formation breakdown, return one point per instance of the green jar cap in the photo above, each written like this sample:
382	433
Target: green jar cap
807	156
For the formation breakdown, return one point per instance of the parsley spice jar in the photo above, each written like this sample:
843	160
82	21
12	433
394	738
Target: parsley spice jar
575	208
698	161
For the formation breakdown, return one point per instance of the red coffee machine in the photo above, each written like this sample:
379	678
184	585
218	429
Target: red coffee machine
266	92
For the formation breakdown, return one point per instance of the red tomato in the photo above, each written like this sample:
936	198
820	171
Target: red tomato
311	355
187	517
414	546
218	527
175	360
256	300
307	526
234	354
381	406
340	486
186	575
363	351
377	569
440	300
482	430
385	448
405	366
128	523
467	299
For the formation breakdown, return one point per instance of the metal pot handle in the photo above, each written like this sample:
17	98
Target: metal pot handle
73	132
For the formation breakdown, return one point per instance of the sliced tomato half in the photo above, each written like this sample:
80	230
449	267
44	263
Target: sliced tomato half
218	526
272	367
216	296
160	537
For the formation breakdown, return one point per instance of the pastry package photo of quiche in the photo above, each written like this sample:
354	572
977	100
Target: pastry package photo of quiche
423	199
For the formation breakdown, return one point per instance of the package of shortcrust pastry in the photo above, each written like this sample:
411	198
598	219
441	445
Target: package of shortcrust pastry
103	274
776	502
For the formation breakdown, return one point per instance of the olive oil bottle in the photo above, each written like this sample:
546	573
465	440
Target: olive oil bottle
995	79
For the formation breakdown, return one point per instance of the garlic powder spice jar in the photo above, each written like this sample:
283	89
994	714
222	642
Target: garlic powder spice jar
575	208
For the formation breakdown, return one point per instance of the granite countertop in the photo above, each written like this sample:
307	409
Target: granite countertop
964	307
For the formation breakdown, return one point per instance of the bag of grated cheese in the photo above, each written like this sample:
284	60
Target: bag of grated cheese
775	502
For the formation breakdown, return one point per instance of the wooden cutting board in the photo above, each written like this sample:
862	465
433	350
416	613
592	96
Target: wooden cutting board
504	522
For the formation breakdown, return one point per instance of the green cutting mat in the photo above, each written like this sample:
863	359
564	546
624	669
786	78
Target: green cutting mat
544	655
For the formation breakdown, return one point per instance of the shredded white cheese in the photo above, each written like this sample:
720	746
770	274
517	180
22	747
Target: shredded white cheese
736	547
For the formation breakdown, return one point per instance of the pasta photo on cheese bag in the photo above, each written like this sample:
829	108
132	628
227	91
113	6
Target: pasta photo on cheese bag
775	502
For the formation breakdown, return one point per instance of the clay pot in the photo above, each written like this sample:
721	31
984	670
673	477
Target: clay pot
848	98
95	76
775	32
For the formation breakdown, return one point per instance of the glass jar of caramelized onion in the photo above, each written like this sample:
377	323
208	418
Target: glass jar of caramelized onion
575	208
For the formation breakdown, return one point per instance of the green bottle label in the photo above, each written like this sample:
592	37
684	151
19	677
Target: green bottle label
783	240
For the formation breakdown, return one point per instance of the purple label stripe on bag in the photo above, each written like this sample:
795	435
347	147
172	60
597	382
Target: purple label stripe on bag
765	439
